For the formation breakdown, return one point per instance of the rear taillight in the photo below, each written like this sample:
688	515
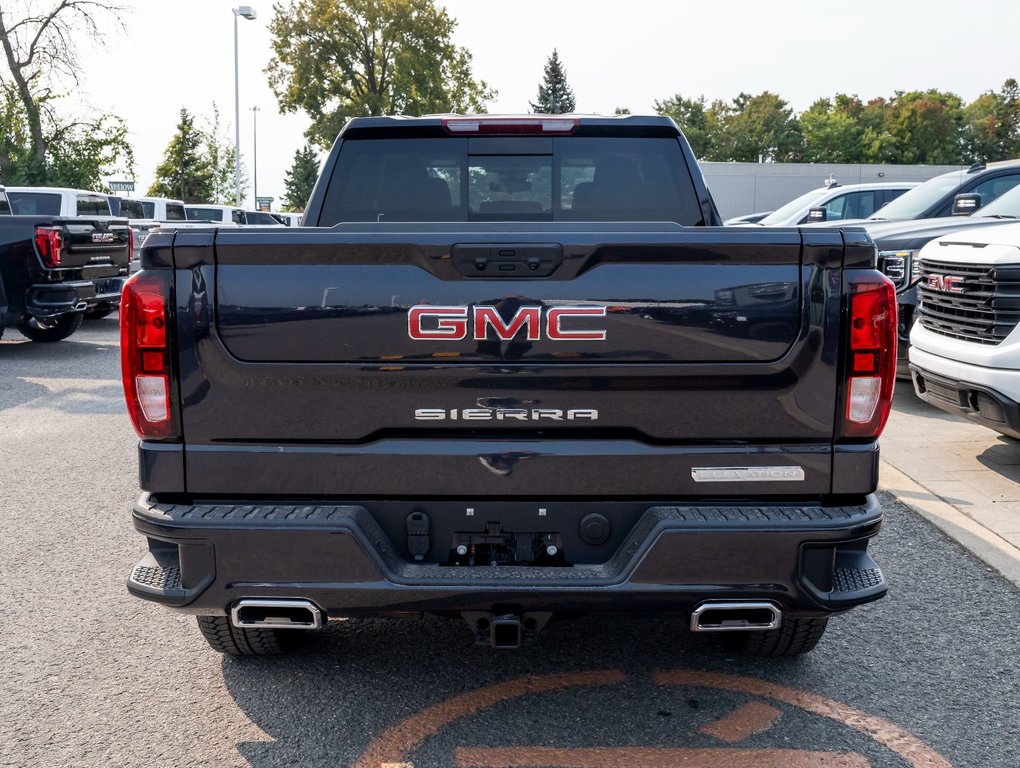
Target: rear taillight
871	355
145	354
50	244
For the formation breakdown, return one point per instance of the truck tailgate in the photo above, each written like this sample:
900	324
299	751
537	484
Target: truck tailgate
95	242
643	342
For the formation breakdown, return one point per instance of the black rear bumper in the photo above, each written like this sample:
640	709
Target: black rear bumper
53	299
809	559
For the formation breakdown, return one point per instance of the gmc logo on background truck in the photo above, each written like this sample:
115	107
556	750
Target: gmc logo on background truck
426	323
946	283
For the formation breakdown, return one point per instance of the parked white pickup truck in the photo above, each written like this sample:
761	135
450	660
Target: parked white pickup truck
57	201
965	344
229	215
163	209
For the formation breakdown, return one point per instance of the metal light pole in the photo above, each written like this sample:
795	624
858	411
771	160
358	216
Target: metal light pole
255	156
249	13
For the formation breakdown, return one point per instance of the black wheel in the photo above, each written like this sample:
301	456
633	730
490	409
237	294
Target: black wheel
50	329
98	313
794	637
226	638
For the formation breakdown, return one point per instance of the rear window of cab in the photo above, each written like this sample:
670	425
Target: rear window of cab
511	179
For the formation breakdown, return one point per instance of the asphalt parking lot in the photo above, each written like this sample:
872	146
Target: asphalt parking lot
89	676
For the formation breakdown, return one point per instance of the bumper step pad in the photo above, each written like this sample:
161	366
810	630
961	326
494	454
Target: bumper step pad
158	574
856	579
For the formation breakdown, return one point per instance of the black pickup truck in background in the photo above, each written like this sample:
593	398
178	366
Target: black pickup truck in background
55	268
515	368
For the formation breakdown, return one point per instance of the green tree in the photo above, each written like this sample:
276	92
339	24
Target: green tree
78	154
220	152
832	131
694	120
185	172
760	128
991	129
83	154
555	96
878	144
38	143
301	178
338	59
926	127
15	142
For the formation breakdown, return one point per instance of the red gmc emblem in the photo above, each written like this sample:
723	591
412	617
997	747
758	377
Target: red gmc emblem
425	323
945	283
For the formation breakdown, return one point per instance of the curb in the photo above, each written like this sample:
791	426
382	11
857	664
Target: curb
987	546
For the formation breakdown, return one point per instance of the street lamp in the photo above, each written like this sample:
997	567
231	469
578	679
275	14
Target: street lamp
255	155
249	13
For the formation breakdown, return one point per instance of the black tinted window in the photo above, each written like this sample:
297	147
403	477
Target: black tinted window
563	179
853	205
34	203
93	205
203	214
260	218
993	188
5	207
149	209
132	209
175	212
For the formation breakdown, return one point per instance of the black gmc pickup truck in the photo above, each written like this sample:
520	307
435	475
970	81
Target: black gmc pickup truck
514	368
55	268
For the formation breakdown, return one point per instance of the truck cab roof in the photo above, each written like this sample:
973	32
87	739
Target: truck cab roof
158	200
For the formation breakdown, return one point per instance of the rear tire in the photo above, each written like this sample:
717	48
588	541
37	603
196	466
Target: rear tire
794	637
228	639
51	329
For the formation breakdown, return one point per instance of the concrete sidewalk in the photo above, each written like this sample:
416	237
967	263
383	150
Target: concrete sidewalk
963	477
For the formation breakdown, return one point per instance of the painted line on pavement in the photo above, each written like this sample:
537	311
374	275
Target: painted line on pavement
394	746
394	743
646	757
743	722
891	736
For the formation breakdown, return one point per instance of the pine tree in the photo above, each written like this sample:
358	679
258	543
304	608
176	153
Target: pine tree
301	178
555	96
185	172
219	150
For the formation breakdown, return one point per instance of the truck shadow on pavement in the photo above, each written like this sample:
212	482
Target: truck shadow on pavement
22	356
94	363
405	693
323	705
1003	457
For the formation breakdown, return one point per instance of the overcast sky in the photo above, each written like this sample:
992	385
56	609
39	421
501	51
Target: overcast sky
617	54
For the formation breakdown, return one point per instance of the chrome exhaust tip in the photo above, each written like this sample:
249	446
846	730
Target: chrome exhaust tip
736	617
255	613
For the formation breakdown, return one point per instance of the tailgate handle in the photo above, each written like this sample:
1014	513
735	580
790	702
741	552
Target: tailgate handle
507	260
